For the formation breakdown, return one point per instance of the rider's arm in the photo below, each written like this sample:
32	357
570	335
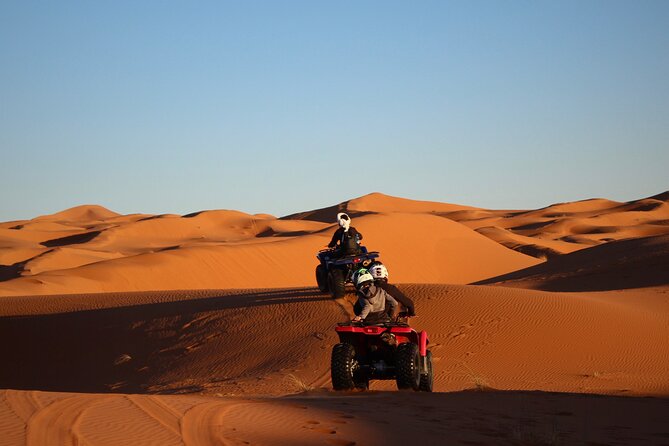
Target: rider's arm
399	296
335	238
366	308
394	306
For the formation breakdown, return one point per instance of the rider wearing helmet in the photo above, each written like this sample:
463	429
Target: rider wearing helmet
380	273
346	238
373	301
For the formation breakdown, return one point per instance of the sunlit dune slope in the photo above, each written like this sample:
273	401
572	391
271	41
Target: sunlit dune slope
440	251
426	248
230	249
376	203
566	227
91	249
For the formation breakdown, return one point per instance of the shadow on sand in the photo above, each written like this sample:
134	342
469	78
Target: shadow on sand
78	351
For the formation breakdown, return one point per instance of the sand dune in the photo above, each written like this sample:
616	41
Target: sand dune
91	249
566	227
230	249
461	418
207	329
84	213
247	349
513	339
377	203
631	263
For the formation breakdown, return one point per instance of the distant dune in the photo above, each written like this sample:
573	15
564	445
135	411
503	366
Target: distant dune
89	249
547	326
630	263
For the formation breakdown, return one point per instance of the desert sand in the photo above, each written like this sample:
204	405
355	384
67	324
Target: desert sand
547	326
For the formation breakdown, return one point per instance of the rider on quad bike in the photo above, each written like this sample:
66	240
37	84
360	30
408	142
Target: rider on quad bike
372	301
346	238
341	259
380	274
374	346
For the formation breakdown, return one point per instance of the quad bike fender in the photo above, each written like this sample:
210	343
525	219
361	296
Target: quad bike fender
422	343
422	347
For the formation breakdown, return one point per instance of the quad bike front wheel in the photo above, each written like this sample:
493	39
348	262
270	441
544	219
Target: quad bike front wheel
322	279
407	364
343	366
426	377
336	283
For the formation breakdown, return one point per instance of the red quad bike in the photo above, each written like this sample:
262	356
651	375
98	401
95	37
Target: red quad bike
390	350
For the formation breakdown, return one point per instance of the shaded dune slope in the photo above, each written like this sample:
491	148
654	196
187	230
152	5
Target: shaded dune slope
631	263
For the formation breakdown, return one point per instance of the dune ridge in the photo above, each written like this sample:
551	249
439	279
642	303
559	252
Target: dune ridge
567	227
231	249
92	249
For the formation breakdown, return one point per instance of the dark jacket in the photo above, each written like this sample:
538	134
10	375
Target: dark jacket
340	236
398	295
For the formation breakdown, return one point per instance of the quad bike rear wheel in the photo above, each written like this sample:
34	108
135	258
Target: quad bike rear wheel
343	367
336	283
426	378
407	363
322	279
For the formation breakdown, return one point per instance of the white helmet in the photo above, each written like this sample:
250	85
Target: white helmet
344	220
364	278
359	273
379	271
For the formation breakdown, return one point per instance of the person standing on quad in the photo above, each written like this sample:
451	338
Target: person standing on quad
380	274
374	303
346	238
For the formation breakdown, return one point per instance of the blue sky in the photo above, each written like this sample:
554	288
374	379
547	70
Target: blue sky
280	107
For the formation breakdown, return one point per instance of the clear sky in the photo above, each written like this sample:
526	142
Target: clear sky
284	106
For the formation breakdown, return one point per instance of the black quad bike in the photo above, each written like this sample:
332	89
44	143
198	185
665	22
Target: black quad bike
334	272
390	350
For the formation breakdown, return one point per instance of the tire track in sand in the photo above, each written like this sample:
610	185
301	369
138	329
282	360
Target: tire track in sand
203	424
58	422
159	411
16	408
22	403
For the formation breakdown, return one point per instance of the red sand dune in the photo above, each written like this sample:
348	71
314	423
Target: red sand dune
567	227
230	249
207	328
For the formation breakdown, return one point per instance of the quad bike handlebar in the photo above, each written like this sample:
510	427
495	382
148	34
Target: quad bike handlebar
400	319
